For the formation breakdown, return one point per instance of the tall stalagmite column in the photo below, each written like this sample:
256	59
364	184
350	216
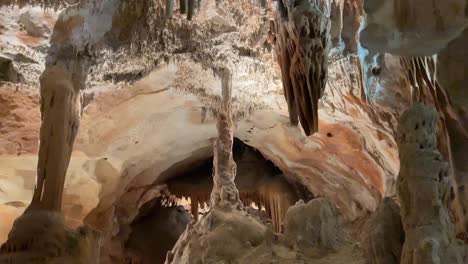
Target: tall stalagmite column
423	189
224	167
61	84
303	41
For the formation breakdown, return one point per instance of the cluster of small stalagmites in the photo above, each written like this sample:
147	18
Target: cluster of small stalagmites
423	189
42	237
310	230
302	44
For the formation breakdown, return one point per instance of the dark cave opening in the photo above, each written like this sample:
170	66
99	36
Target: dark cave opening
264	191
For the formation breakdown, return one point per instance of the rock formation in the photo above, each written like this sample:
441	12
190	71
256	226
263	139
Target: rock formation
41	237
412	27
8	71
429	232
140	79
312	224
224	168
302	44
383	236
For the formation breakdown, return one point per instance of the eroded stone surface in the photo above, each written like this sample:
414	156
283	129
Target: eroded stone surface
42	237
312	224
423	190
383	235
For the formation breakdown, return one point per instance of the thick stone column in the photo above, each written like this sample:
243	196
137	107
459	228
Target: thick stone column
224	167
423	188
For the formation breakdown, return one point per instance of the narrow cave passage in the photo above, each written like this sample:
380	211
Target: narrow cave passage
263	189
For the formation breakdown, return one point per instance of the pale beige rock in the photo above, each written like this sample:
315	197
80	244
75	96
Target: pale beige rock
35	23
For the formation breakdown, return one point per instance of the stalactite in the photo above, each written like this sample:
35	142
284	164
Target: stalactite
183	6
302	45
194	208
191	9
169	8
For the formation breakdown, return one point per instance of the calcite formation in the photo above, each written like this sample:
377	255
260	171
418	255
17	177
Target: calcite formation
314	233
383	235
423	188
312	224
302	44
257	180
412	27
224	167
41	237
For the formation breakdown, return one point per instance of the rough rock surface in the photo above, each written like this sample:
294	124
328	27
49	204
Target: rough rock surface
155	231
423	189
383	235
412	27
8	71
452	69
252	242
41	237
34	23
312	224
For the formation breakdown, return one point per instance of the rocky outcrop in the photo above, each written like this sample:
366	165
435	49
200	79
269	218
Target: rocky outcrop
412	28
314	234
302	45
41	237
383	235
34	23
429	233
312	224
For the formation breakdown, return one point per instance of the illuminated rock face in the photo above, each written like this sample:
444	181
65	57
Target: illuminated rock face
423	189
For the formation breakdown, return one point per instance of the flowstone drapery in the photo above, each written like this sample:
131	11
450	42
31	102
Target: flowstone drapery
302	44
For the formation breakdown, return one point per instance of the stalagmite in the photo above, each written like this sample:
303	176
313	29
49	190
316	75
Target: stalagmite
61	84
302	48
423	189
224	167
